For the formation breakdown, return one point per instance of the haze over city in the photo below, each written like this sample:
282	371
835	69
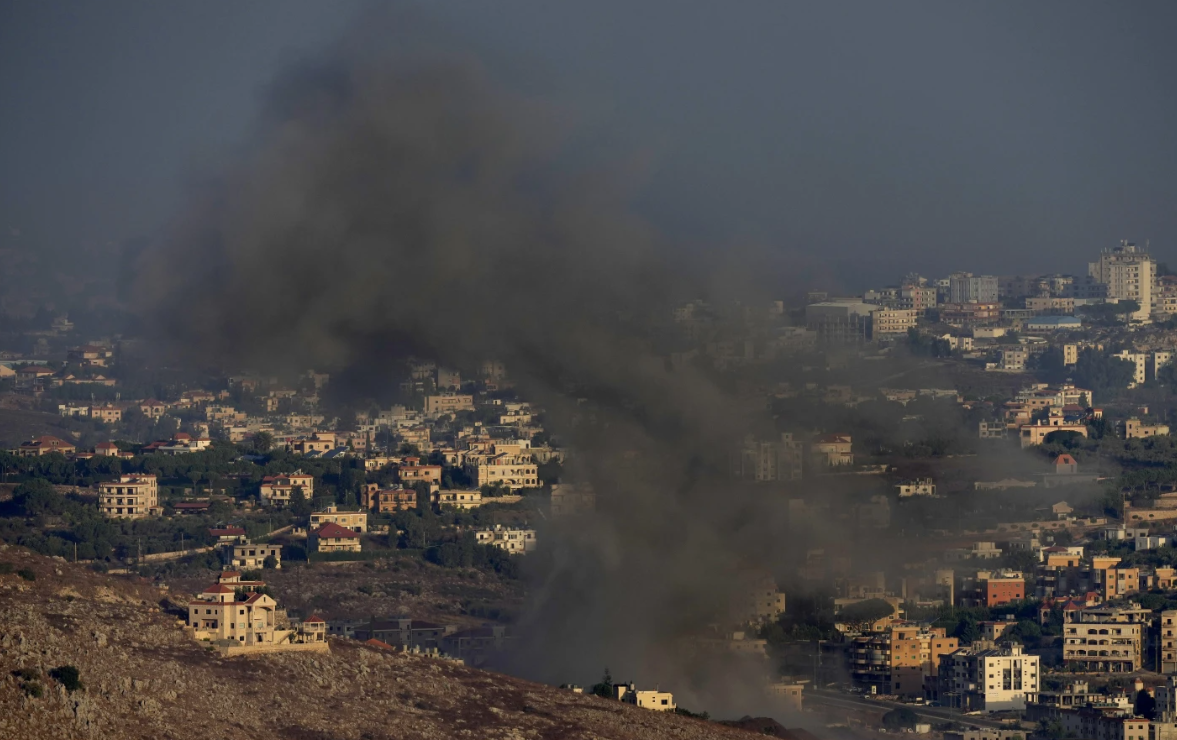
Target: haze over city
382	370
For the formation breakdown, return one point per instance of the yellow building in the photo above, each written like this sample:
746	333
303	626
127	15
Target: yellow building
356	521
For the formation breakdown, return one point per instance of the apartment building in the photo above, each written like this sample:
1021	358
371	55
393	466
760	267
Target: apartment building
970	314
1000	587
275	490
890	322
758	600
356	521
512	540
388	500
1104	638
768	460
447	403
129	497
837	322
899	658
964	287
1128	272
916	298
412	471
1051	305
988	678
1139	362
1168	637
514	472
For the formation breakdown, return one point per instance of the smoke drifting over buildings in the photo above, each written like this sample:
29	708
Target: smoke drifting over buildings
406	203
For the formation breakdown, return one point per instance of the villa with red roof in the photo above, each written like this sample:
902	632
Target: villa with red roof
236	617
43	446
333	538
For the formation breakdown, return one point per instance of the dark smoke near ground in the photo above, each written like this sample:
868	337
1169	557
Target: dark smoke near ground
397	204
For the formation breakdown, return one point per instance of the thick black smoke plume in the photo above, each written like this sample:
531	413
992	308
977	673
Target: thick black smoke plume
406	203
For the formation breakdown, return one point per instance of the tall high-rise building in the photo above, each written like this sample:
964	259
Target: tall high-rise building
1128	272
964	287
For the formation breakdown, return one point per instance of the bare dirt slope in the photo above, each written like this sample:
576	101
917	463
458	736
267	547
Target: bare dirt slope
142	678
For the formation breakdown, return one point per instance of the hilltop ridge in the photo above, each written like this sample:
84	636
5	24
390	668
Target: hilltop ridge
143	678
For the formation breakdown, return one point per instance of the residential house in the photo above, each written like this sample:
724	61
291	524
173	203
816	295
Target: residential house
1036	433
331	537
659	701
219	613
389	500
460	499
1135	429
356	521
44	446
833	450
276	490
251	556
512	540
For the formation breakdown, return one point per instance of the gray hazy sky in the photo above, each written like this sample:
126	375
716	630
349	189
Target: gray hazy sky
996	137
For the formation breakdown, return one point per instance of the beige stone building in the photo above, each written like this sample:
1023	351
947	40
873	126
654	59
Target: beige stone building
218	613
892	322
250	556
356	521
1104	639
129	497
276	489
460	499
1134	428
511	471
448	403
659	701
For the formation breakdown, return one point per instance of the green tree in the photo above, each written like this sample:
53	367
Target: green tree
604	687
67	676
262	442
865	613
1145	705
299	506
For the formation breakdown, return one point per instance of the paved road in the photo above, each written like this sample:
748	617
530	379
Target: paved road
938	714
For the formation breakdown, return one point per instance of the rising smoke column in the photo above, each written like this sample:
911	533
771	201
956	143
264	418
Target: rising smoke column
406	202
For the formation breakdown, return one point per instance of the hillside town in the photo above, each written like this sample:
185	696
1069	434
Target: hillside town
977	474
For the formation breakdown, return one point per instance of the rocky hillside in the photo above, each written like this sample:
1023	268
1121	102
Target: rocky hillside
140	677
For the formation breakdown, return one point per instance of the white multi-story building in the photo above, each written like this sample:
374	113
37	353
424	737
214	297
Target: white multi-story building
512	540
1128	272
964	287
989	678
